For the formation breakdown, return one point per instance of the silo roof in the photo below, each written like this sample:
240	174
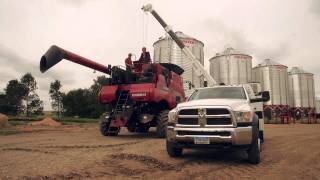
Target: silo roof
180	35
268	62
297	70
229	51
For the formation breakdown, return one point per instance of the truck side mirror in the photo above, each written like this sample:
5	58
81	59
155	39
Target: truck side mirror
265	96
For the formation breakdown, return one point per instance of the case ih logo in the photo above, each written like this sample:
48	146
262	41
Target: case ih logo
188	42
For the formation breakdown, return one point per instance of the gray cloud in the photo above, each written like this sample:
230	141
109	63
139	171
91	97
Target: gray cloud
76	3
11	60
315	7
241	42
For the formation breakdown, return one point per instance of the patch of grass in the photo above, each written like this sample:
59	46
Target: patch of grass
19	122
22	120
72	120
8	132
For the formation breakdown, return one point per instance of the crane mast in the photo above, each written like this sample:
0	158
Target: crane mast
199	69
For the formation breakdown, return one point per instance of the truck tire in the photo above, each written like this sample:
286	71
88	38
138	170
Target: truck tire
261	137
105	130
172	150
162	121
254	150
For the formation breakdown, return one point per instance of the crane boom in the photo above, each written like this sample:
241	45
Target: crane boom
199	69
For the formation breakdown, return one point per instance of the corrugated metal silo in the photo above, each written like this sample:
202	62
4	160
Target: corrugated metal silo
302	93
231	67
273	78
167	51
318	105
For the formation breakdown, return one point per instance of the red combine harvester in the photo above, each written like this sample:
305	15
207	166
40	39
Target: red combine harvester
138	99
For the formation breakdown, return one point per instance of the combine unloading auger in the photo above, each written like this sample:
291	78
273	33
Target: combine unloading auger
199	69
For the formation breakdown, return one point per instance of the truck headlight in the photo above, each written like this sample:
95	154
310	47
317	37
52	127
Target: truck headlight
173	116
243	116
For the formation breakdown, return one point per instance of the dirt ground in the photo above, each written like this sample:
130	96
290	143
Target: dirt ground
80	152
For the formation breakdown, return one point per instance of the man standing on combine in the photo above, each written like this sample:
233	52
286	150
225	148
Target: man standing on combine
145	56
128	62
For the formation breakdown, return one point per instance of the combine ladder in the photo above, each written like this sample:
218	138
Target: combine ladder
122	102
120	107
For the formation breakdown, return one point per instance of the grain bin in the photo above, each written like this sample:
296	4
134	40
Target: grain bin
318	109
167	51
231	67
273	78
317	105
302	93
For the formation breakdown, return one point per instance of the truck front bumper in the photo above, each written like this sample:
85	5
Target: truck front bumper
232	136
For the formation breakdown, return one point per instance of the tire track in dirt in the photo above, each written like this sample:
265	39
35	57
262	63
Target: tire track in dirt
27	150
90	146
148	161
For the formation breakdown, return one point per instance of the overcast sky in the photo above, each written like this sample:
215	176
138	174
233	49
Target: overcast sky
286	31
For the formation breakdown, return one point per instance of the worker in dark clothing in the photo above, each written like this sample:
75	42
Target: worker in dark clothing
145	56
128	62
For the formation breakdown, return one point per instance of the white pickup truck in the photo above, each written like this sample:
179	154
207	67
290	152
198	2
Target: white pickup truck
218	117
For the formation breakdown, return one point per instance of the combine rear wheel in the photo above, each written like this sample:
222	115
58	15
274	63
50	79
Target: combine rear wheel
143	128
162	121
131	126
105	128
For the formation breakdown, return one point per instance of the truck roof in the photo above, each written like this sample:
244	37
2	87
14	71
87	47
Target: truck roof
218	86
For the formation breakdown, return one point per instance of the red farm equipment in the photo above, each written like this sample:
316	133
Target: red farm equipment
139	99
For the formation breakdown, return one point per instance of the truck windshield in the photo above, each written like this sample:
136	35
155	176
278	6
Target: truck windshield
219	93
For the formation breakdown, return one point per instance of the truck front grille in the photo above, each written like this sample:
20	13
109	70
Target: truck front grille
188	112
203	117
218	111
219	121
188	121
185	133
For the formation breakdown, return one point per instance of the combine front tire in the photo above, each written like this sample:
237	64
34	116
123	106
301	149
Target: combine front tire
162	121
106	130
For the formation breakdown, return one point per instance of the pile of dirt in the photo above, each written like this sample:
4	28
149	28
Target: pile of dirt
46	122
3	120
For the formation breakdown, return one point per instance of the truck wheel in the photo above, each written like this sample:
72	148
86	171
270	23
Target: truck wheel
106	131
162	121
261	137
254	151
172	150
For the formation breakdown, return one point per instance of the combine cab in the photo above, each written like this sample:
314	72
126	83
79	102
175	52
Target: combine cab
138	99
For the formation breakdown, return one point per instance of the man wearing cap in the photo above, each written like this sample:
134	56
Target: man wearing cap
145	56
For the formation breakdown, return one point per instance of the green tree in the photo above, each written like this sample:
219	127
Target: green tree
33	103
11	101
84	102
56	96
78	103
98	108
